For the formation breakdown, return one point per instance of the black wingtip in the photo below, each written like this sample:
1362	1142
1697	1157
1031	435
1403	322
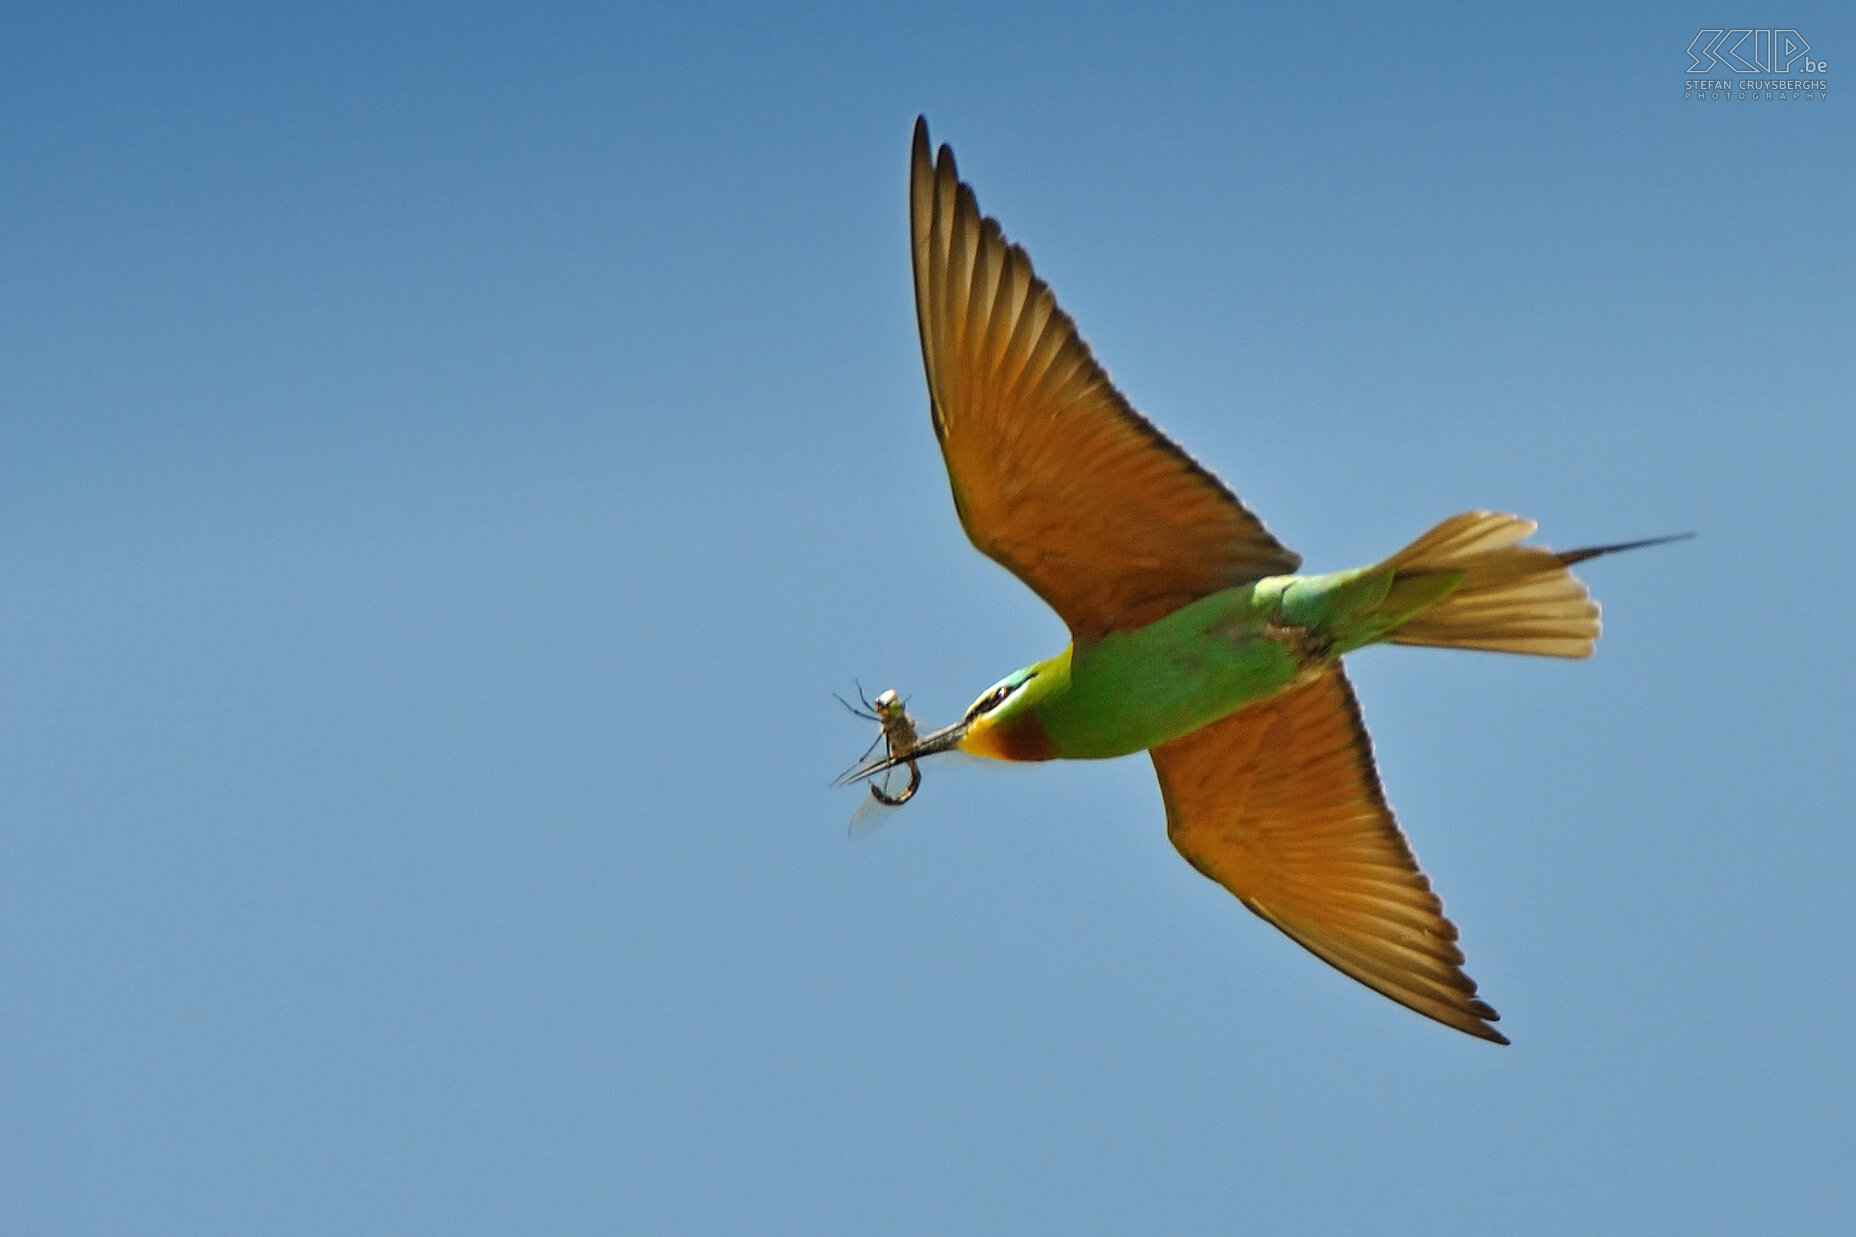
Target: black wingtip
1486	1013
1489	1033
1570	557
923	153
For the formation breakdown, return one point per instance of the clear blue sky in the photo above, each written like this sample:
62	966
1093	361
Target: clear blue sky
449	457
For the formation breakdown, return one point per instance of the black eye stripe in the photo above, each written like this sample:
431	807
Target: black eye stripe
994	698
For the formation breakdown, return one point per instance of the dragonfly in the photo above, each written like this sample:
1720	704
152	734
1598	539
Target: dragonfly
898	736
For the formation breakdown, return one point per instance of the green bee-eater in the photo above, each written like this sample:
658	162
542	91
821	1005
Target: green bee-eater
1191	638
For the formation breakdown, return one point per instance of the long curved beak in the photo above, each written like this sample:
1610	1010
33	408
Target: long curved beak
944	740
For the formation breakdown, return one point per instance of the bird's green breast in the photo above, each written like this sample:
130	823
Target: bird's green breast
1130	691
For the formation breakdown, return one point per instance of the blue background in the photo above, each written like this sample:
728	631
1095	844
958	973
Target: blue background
450	456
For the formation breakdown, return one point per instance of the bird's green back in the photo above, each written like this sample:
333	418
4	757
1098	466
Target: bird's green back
1130	691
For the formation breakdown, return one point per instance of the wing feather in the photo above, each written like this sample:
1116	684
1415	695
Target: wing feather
1054	475
1279	803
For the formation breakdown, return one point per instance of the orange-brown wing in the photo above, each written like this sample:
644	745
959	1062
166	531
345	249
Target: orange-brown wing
1054	475
1279	804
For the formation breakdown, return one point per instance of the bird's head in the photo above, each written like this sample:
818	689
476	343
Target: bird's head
1002	724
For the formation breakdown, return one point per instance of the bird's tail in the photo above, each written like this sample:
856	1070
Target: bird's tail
1491	592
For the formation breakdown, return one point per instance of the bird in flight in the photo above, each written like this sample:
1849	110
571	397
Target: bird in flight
1192	637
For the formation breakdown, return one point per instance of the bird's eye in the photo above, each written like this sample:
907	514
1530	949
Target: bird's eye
994	698
990	701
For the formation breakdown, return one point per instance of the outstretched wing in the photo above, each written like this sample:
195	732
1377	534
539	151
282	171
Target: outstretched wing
1054	475
1279	804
